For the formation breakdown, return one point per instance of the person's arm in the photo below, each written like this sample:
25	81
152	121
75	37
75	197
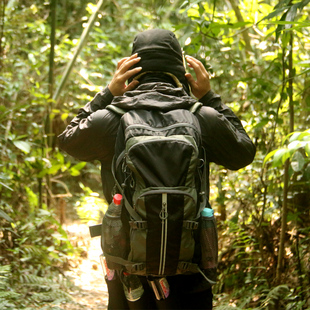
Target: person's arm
91	134
223	135
85	136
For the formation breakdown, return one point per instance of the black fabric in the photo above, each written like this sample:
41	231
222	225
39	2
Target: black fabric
160	50
158	170
153	204
155	77
175	225
184	294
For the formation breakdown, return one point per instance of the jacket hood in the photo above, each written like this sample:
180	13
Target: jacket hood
155	96
160	51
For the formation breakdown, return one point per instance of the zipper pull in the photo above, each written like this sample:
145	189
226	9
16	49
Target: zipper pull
163	215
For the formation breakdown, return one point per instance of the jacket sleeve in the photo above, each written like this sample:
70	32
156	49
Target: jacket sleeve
91	134
223	136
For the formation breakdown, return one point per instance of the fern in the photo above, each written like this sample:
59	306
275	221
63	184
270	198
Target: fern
228	307
8	295
4	271
39	282
55	296
32	250
5	304
275	294
46	290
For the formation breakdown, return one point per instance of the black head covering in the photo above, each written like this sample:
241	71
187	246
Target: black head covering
160	51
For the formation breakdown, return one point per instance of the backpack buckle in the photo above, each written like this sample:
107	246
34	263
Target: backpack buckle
190	225
138	224
137	267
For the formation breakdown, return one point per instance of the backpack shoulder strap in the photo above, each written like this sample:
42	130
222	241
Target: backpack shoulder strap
195	107
116	109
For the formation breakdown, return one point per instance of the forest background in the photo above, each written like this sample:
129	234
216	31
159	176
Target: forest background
55	56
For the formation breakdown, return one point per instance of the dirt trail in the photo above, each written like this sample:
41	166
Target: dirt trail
87	274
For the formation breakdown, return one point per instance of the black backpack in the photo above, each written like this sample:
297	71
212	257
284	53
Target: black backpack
159	168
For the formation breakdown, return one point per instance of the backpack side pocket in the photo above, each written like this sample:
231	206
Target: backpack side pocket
209	247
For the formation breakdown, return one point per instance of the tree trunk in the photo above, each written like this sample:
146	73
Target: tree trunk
286	168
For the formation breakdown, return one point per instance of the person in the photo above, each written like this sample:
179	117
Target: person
154	76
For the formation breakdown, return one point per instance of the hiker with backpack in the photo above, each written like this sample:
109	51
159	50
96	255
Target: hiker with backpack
155	142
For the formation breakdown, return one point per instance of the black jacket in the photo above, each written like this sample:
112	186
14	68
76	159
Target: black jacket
91	134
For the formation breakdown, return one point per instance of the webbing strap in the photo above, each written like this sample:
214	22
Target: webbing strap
138	267
116	109
129	208
195	107
95	230
203	274
203	184
187	266
143	224
130	266
203	202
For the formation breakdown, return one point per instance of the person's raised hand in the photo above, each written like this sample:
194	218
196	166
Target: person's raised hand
201	86
118	85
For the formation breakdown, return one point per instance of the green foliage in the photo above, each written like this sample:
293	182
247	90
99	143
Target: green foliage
248	59
298	144
32	291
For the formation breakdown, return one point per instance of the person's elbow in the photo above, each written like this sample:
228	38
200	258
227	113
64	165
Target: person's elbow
243	157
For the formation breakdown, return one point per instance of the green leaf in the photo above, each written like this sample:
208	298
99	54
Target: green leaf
268	156
6	186
298	162
291	14
283	3
280	156
54	168
79	166
51	248
275	13
302	4
307	149
64	116
293	136
23	145
295	145
5	216
74	172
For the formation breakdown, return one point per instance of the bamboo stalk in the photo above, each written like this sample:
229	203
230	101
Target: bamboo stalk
245	33
77	52
284	210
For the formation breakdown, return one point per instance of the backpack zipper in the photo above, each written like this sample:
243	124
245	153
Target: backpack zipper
124	153
163	215
164	128
165	192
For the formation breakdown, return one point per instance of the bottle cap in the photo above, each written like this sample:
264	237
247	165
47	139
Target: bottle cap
117	198
207	212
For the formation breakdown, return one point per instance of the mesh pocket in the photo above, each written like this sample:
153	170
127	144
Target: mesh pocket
209	247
